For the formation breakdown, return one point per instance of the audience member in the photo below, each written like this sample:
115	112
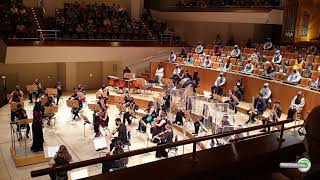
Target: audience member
189	60
159	74
217	88
294	77
277	58
206	62
297	105
235	53
248	68
199	48
172	57
266	93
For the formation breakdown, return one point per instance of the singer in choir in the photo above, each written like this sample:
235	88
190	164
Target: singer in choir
277	58
248	68
235	53
266	93
164	138
217	88
296	106
172	57
58	86
274	115
206	62
121	130
199	48
35	93
294	77
159	74
268	44
259	106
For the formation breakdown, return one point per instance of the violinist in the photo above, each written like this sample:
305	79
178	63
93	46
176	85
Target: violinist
21	114
96	123
50	103
159	124
121	130
164	138
17	92
36	93
103	113
17	96
147	118
58	86
75	111
131	107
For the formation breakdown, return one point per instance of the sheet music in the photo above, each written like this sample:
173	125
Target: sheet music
83	173
52	150
100	143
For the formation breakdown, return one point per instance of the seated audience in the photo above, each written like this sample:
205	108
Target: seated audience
277	58
259	106
227	66
217	51
217	88
269	71
313	49
217	41
248	68
265	93
274	115
294	77
121	130
296	106
249	43
189	60
240	86
316	83
176	73
255	55
206	62
159	74
235	53
268	44
199	48
172	57
299	62
62	158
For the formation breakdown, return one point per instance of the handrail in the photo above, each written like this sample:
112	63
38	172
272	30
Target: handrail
193	141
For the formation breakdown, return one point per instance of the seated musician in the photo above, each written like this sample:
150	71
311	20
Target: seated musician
17	96
266	93
115	164
58	86
268	44
75	111
164	138
315	83
206	62
235	53
167	99
199	48
248	68
176	73
217	51
21	114
36	93
234	97
240	86
159	74
50	103
103	89
217	88
296	106
148	118
131	107
187	75
227	66
270	71
274	116
81	92
179	117
259	106
172	57
196	78
277	58
158	125
294	77
224	122
299	62
189	60
103	113
121	129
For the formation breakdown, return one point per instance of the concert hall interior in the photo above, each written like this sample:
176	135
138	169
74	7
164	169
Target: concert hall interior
160	89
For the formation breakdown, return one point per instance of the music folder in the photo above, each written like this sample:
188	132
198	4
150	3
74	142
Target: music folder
32	88
94	107
73	103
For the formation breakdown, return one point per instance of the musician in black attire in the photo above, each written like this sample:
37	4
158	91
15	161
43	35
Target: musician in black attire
159	126
115	164
16	98
122	134
166	98
196	78
259	107
149	117
96	123
179	117
58	86
75	111
22	114
36	93
62	158
130	104
164	138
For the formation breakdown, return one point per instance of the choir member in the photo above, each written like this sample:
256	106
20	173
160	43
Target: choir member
206	62
172	57
235	53
227	66
294	77
58	86
266	93
151	110
296	106
189	60
37	144
259	105
277	58
164	138
36	93
316	83
199	48
61	158
21	114
179	117
268	44
217	88
274	115
159	74
248	68
121	129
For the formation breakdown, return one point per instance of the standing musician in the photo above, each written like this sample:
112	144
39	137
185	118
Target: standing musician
103	113
36	93
75	111
274	116
121	129
259	106
179	117
58	86
217	88
158	125
50	103
21	114
17	96
148	118
167	99
164	138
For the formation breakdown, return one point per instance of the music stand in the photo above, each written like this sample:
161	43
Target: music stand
86	121
13	105
32	88
51	151
52	91
72	104
94	107
83	173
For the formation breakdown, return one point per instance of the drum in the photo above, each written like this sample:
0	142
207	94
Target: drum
112	80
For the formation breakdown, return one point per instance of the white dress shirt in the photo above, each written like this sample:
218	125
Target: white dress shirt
277	58
248	68
294	77
199	49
